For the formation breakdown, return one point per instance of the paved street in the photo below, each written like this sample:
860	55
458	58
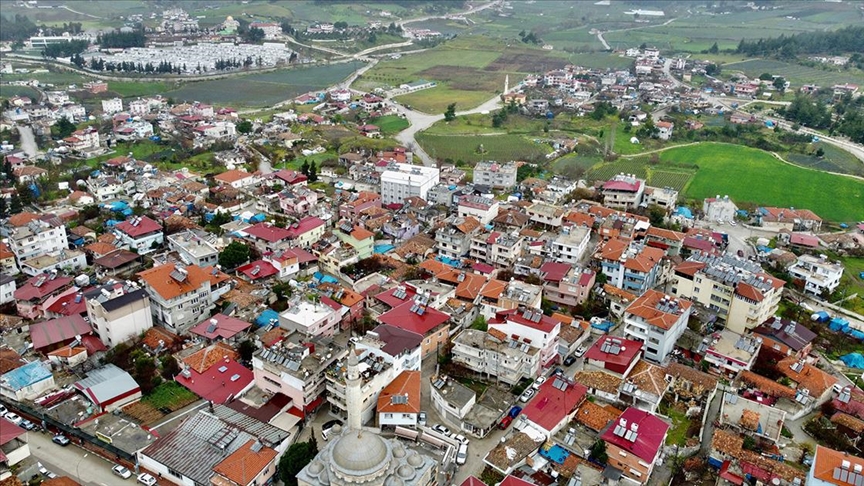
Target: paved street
68	461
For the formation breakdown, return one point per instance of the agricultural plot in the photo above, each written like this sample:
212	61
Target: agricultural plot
263	89
61	79
627	166
750	175
834	160
129	89
390	124
8	91
494	147
667	178
795	73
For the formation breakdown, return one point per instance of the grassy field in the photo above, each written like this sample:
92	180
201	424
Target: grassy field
751	175
170	394
263	89
390	124
853	282
834	160
60	79
496	147
128	89
796	73
7	91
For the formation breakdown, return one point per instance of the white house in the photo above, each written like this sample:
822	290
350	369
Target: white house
656	320
179	297
119	314
484	209
310	318
38	238
140	233
399	402
114	105
818	273
401	181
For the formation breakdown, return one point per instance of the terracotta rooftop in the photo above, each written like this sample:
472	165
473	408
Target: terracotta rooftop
156	334
848	421
467	225
809	376
765	385
733	445
204	358
598	380
245	464
160	280
594	416
407	384
648	307
493	289
470	286
749	419
649	378
827	461
700	382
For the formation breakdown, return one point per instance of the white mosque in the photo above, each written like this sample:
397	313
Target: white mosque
359	456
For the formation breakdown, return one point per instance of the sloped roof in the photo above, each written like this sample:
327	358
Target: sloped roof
649	378
551	406
106	383
826	461
54	331
24	376
402	317
245	464
159	279
224	327
650	435
406	384
797	339
647	307
765	385
203	359
809	377
596	417
599	380
397	340
470	286
145	226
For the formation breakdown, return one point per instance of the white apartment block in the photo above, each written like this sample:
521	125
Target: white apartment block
818	273
454	241
401	181
494	174
179	297
37	238
665	197
114	105
194	248
120	314
532	327
719	208
658	321
545	214
73	260
496	355
570	245
484	209
7	289
624	191
497	249
310	318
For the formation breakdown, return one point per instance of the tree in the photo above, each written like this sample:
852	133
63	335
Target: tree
450	112
244	126
780	84
714	49
4	209
144	370
657	215
15	204
304	168
234	254
170	367
246	348
479	324
253	35
63	128
598	452
298	455
313	172
712	69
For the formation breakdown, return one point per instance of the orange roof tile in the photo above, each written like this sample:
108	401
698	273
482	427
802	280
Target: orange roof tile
232	176
204	358
244	464
645	260
468	224
67	352
22	219
594	416
470	286
159	279
666	234
749	419
646	308
493	289
848	421
100	248
648	377
5	252
406	384
620	293
563	319
809	377
827	460
361	233
154	335
765	385
598	380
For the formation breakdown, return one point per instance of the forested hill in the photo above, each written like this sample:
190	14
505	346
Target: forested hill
849	39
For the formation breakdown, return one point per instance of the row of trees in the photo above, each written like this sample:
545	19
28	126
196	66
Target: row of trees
99	64
806	112
122	40
17	28
849	39
65	49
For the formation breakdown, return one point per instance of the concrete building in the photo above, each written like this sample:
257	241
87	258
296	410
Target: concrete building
119	314
548	215
564	284
399	402
719	209
737	290
570	245
140	233
657	320
7	289
788	337
64	260
310	318
179	297
26	382
729	353
498	249
195	247
634	443
484	209
454	241
38	238
496	355
401	181
530	326
623	191
114	105
819	275
499	176
630	266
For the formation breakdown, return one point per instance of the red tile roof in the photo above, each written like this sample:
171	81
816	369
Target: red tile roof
402	317
226	327
67	306
628	351
232	176
614	185
218	382
143	226
554	271
268	232
159	278
650	434
9	431
304	226
265	269
552	405
54	331
29	291
646	307
827	460
545	324
244	464
406	384
514	481
390	299
472	481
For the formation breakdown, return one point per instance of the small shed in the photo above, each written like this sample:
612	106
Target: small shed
109	388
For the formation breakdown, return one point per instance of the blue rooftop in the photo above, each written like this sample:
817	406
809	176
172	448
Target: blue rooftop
267	317
25	376
684	211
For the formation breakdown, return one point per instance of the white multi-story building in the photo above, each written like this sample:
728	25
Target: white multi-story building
272	30
496	355
119	314
72	260
818	273
532	327
497	249
729	353
140	233
401	181
454	241
114	105
7	289
658	321
719	208
623	191
495	174
194	247
38	238
484	209
570	245
310	318
179	297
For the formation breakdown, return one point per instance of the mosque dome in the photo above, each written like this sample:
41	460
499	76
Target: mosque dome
359	452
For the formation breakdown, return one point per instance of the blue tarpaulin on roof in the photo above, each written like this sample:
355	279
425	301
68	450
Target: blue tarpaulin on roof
685	212
603	326
821	316
839	324
853	360
856	334
380	249
450	261
320	277
267	317
258	218
111	222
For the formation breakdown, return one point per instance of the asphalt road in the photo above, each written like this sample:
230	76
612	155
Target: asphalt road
70	461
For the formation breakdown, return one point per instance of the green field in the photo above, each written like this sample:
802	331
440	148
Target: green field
61	79
750	175
128	89
264	89
834	160
8	91
390	124
496	147
796	73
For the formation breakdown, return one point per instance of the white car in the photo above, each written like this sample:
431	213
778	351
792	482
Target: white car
13	417
580	351
441	430
121	471
421	419
527	395
146	479
462	454
733	223
539	381
461	438
3	409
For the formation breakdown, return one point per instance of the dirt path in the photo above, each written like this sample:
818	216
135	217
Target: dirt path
633	156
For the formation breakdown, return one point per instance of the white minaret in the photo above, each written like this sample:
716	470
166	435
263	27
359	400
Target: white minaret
506	83
353	396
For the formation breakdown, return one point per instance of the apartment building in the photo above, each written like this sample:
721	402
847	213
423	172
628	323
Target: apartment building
484	209
729	353
496	355
179	296
634	443
548	215
630	266
310	318
819	275
140	234
566	285
119	314
38	238
530	326
657	320
736	289
496	175
624	191
498	249
195	247
454	240
401	181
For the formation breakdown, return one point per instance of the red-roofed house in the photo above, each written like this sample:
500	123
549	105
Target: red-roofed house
40	292
474	481
291	177
623	191
140	234
13	444
630	266
563	285
220	327
237	179
425	321
805	241
268	237
615	355
222	381
250	465
532	327
634	442
555	405
257	270
657	320
56	333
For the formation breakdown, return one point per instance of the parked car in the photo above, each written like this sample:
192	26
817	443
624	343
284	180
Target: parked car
121	471
27	425
461	438
421	419
557	372
146	479
3	409
580	351
13	417
569	360
60	439
462	454
539	381
45	472
441	429
328	427
514	412
527	395
505	422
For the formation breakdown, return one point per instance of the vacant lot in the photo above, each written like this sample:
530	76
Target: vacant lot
390	124
795	73
495	147
752	175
